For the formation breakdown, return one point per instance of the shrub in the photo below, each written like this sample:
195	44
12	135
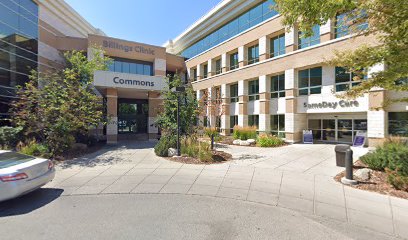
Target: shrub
265	140
244	133
9	136
397	180
33	148
162	147
392	155
196	149
212	132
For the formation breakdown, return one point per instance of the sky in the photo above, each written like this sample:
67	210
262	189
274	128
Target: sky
146	21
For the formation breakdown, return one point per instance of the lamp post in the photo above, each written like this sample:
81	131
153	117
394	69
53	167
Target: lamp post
178	91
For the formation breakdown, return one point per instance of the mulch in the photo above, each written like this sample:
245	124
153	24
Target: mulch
69	155
377	183
218	157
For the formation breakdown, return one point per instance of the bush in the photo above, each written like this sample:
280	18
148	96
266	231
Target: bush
9	136
397	180
33	148
196	149
265	140
162	147
392	155
244	133
212	132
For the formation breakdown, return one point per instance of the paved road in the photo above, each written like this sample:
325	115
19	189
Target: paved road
47	215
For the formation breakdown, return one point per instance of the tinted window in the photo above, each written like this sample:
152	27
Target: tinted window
10	159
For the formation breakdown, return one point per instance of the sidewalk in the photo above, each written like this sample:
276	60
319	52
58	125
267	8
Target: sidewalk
297	177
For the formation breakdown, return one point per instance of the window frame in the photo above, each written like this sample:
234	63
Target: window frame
309	87
234	98
350	83
253	91
280	131
254	119
218	66
279	38
305	42
234	61
253	54
278	93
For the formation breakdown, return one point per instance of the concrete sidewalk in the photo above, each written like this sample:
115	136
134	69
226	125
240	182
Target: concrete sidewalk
297	177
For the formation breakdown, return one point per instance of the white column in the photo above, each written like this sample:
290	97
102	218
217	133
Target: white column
264	115
328	80
290	37
377	119
225	118
200	72
326	28
243	91
211	113
211	67
290	79
264	46
199	100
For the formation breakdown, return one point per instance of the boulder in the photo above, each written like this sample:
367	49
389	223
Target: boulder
363	174
251	141
244	143
236	142
172	152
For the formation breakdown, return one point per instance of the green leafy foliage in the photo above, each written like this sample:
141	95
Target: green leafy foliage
10	136
265	140
388	24
162	147
54	107
244	133
33	148
196	149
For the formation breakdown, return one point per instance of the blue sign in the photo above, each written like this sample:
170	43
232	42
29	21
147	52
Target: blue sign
307	136
360	139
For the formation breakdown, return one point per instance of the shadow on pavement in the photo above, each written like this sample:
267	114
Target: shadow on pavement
103	156
30	202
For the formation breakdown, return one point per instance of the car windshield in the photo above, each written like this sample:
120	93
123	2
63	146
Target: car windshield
10	159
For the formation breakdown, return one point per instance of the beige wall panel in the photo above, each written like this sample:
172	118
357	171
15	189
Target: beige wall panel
72	43
175	63
376	99
312	56
155	106
291	105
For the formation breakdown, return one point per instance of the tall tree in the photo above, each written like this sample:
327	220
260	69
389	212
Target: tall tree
53	107
387	20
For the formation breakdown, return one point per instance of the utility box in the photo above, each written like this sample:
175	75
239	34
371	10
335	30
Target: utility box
341	154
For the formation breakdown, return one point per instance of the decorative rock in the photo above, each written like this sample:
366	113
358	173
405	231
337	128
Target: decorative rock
172	152
236	142
251	141
244	143
363	174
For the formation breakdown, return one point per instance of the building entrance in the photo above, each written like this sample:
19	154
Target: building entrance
336	130
133	116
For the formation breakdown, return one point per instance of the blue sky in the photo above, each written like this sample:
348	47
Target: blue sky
147	21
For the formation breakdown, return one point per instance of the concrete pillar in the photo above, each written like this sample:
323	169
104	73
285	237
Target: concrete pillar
295	122
264	103
225	118
326	31
264	48
112	112
243	103
200	72
377	117
291	40
242	56
211	67
155	104
212	111
159	67
203	111
225	62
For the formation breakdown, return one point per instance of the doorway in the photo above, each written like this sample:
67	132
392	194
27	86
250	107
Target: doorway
133	115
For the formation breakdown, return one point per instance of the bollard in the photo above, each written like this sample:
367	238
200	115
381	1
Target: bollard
348	179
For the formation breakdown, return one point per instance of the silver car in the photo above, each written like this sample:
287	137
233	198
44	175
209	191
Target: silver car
21	174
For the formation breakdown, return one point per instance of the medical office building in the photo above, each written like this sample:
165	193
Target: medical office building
267	77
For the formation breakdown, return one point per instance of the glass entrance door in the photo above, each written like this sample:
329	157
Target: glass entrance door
336	130
132	116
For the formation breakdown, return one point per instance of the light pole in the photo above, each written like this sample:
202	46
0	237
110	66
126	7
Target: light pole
178	91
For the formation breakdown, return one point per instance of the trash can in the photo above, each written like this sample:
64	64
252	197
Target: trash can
341	154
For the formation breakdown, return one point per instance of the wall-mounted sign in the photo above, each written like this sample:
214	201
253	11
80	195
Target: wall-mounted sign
360	139
308	136
128	48
332	105
121	81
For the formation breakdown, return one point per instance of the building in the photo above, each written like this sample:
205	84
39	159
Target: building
266	76
278	81
34	35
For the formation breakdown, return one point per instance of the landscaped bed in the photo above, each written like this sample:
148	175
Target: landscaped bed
217	157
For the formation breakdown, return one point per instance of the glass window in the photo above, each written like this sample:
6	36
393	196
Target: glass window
253	54
125	67
205	70
218	68
233	121
278	125
345	21
234	61
131	67
139	69
346	80
118	66
309	41
310	81
278	86
253	121
253	90
278	46
398	123
234	93
261	12
194	74
147	70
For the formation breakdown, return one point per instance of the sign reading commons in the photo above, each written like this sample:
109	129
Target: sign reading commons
121	81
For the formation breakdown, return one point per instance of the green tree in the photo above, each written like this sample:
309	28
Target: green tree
167	119
55	106
387	21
